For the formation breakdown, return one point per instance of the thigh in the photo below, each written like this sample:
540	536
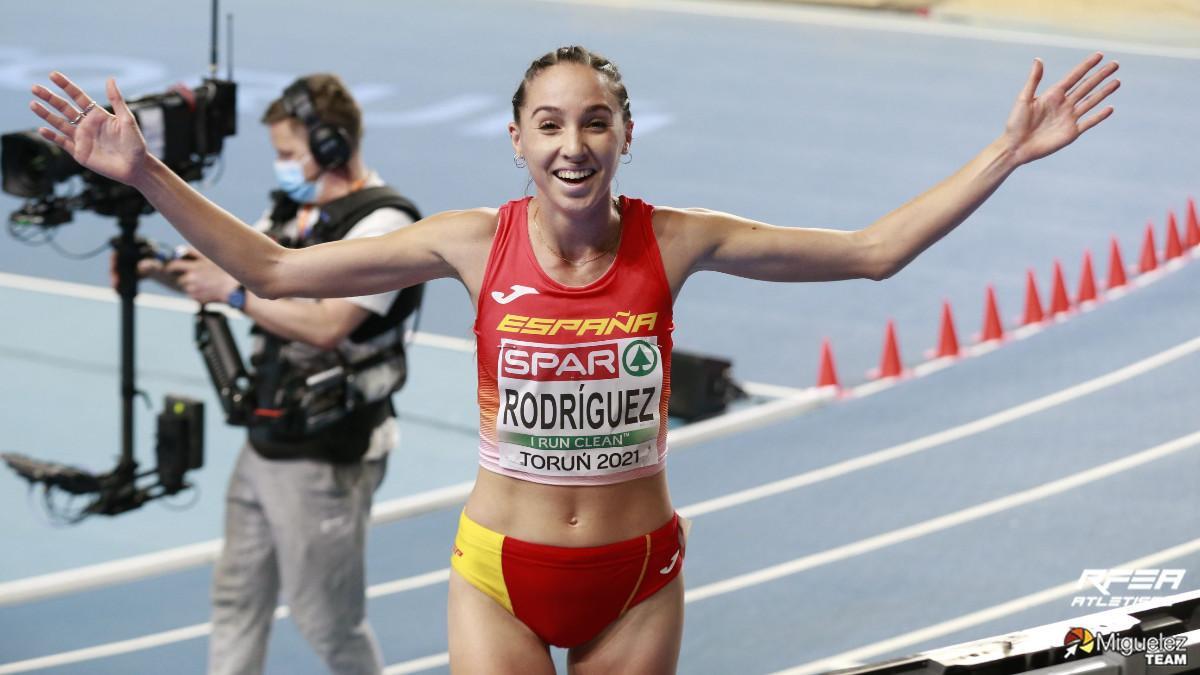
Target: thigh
485	638
319	515
246	568
645	640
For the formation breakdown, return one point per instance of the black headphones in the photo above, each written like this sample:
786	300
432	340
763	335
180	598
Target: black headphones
330	144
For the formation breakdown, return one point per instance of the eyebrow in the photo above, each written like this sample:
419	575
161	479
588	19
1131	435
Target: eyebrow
558	111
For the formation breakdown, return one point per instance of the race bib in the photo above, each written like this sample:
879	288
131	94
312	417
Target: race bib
587	409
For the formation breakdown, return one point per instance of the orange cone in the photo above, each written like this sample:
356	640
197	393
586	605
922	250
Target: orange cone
1033	302
1059	303
1116	266
1174	245
1087	280
992	329
1193	225
1149	260
890	366
948	340
828	376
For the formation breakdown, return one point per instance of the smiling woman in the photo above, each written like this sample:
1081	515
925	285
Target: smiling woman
569	536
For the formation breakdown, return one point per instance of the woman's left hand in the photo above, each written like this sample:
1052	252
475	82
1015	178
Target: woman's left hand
1041	125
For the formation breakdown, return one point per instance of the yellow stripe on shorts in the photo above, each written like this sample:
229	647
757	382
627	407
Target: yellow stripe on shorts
476	556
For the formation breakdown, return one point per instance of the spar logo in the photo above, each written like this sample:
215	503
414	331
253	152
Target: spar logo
549	363
1079	640
639	358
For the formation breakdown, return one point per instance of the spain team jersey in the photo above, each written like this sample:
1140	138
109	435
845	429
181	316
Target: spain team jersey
574	380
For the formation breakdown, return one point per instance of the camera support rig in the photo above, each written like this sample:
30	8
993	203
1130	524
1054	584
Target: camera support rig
193	126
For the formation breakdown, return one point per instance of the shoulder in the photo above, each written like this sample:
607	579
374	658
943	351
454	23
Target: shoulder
462	231
671	222
481	222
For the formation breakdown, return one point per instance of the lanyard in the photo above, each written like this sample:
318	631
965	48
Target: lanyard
305	215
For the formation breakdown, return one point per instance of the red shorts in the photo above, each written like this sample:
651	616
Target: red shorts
567	595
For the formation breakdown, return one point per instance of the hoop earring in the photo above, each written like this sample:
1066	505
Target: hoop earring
626	157
519	162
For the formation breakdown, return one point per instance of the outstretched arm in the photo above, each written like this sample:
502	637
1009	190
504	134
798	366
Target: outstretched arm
1036	127
112	145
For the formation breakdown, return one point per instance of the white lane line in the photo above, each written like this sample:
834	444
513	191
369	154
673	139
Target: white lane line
106	650
409	583
946	436
694	595
783	12
419	665
981	616
203	629
194	555
939	523
769	390
179	304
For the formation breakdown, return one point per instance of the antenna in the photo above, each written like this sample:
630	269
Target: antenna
212	57
229	46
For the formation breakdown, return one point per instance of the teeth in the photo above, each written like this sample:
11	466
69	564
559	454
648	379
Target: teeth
574	175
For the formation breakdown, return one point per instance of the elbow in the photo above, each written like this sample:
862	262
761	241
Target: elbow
877	262
884	269
266	281
331	337
326	342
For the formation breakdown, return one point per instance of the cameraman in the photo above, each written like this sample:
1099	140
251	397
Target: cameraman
299	499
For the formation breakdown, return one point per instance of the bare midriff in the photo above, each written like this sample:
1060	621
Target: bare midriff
574	515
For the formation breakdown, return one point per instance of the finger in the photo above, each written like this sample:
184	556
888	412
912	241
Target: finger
116	99
58	139
57	102
1035	78
1080	70
1086	87
1092	101
1095	119
57	121
78	95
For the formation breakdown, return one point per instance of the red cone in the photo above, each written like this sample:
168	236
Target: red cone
1087	280
1116	266
948	340
890	366
1149	260
992	329
1033	302
828	376
1059	303
1174	245
1193	225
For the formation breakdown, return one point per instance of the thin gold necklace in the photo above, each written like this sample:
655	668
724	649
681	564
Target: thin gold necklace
579	263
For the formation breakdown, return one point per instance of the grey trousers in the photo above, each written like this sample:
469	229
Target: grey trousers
299	527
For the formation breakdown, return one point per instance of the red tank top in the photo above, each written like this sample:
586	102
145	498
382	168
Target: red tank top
574	380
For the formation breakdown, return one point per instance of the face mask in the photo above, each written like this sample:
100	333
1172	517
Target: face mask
290	176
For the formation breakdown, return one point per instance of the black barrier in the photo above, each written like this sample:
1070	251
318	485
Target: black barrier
1161	637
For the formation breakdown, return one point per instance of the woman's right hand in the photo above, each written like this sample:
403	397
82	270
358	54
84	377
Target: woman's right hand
108	143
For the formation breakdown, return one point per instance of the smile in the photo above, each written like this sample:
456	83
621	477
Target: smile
574	176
